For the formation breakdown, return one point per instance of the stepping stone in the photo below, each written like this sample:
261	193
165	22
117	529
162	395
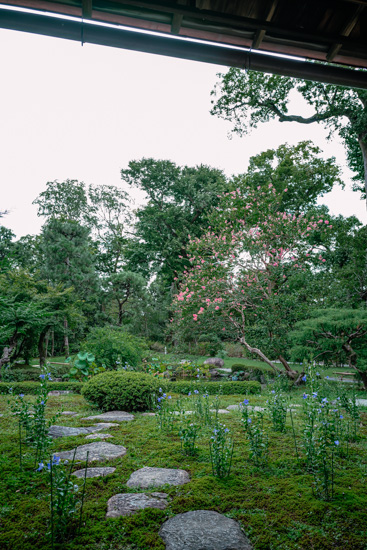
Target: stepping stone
66	431
148	414
106	425
220	411
361	402
98	451
250	408
156	477
128	504
94	472
69	413
112	416
99	436
59	392
203	529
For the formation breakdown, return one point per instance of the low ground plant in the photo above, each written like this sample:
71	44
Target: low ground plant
221	451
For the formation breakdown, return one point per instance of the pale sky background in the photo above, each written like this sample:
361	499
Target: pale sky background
83	113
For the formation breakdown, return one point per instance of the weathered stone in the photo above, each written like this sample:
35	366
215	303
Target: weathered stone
94	472
112	416
220	411
99	436
66	431
214	373
361	402
203	529
59	392
106	425
148	414
69	413
98	451
250	408
156	477
127	504
216	361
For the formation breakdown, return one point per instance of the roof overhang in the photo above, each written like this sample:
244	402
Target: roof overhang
241	34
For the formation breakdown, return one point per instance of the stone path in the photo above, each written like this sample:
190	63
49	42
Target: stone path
66	431
99	436
128	504
98	451
156	477
93	472
112	416
203	529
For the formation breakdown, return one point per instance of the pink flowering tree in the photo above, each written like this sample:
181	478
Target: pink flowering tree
248	273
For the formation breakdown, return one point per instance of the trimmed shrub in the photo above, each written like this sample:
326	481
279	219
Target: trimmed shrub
113	347
213	388
31	388
124	391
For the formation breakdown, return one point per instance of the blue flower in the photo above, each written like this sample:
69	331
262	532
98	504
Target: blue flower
196	391
246	401
272	391
40	466
189	393
42	402
305	396
56	459
170	397
42	376
317	374
249	420
21	395
304	378
336	442
198	376
158	407
226	430
341	416
327	378
159	399
314	394
324	400
160	389
164	395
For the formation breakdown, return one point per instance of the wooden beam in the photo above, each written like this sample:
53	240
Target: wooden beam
87	9
259	35
346	30
176	23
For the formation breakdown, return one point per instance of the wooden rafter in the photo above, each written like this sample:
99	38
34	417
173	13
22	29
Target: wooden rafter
260	33
346	30
87	9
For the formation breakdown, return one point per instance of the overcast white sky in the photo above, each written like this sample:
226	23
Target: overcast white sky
83	113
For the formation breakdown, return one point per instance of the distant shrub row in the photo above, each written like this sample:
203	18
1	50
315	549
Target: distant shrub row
30	388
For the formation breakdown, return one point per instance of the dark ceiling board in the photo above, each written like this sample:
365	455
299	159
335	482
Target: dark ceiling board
346	30
259	36
161	45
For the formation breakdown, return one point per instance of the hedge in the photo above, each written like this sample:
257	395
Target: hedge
31	388
213	388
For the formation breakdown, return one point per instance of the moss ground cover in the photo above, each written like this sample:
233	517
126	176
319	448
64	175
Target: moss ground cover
275	505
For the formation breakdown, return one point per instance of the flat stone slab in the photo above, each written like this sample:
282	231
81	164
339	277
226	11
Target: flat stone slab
250	408
156	477
69	413
112	416
203	529
99	436
220	411
148	414
66	431
361	402
94	472
98	451
126	504
106	425
59	392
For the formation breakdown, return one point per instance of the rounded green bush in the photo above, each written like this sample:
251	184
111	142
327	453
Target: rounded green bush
123	391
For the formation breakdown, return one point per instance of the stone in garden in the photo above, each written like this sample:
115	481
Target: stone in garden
220	411
127	504
216	361
361	402
69	413
93	472
214	373
59	392
105	425
98	451
148	414
203	529
99	436
112	416
250	408
156	477
66	431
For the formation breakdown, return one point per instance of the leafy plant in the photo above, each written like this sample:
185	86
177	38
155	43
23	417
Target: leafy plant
221	451
84	366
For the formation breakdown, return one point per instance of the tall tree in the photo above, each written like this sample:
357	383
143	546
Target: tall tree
178	202
249	98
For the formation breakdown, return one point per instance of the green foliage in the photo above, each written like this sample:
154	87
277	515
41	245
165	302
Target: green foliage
113	347
213	388
83	368
247	98
31	388
128	391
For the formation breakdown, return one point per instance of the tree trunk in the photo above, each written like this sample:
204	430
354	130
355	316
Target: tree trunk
119	321
260	354
46	343
42	348
363	147
66	338
7	354
364	379
52	343
293	374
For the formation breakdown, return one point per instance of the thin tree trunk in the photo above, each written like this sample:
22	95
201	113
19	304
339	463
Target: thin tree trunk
41	347
363	147
119	321
260	354
293	374
66	338
364	379
52	343
46	342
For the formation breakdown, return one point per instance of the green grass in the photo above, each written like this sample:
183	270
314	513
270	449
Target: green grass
275	506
